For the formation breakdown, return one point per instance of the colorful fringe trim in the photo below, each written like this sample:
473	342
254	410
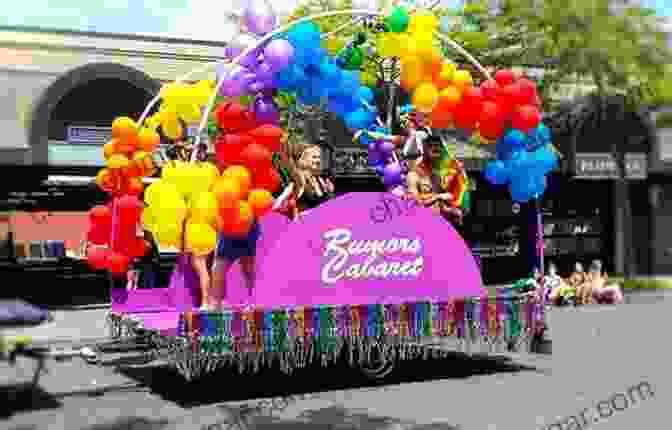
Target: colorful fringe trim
485	321
365	334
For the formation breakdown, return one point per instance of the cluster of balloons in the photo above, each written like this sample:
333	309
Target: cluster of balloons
254	74
314	75
192	202
113	234
128	158
523	161
381	155
181	103
112	228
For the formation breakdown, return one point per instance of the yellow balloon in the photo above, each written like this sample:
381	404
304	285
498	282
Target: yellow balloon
462	79
423	21
425	44
172	131
201	239
204	208
408	46
369	79
191	114
153	192
169	234
118	161
425	97
148	220
388	45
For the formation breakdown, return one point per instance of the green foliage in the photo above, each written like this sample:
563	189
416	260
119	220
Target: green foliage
621	52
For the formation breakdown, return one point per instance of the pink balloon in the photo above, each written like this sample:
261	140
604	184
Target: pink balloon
279	53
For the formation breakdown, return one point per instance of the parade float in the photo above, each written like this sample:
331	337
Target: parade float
371	277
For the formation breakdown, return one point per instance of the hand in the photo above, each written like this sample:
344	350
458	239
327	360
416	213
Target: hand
446	197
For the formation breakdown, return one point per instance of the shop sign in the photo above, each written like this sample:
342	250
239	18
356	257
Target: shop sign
603	166
83	135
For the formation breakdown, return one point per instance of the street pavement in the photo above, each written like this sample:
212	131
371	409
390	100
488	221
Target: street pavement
597	352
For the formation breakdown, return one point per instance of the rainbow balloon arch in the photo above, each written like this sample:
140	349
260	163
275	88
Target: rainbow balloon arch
372	277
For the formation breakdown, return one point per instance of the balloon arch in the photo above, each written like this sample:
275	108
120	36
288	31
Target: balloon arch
192	201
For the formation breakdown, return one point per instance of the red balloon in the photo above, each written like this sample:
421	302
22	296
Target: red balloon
441	119
229	147
129	209
506	99
97	257
136	248
525	118
98	235
472	96
118	263
492	129
505	77
489	89
490	112
100	213
230	115
257	157
268	135
527	91
466	116
267	180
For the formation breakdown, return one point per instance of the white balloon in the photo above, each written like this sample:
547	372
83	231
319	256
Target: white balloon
365	4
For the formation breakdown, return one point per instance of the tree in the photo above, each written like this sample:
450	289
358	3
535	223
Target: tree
622	53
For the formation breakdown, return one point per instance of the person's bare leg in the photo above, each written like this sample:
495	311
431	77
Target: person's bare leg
200	264
220	269
249	269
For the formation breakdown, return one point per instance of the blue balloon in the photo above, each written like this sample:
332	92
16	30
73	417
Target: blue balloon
497	173
544	159
366	94
359	119
513	140
329	71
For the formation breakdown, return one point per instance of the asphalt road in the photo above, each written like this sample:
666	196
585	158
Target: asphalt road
598	352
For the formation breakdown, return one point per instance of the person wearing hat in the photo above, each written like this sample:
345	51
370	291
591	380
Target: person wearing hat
427	187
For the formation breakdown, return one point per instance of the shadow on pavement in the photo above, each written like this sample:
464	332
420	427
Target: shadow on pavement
337	417
24	398
130	423
227	385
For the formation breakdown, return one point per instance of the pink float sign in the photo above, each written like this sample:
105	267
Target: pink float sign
360	248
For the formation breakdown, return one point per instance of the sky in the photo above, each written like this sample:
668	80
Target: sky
196	19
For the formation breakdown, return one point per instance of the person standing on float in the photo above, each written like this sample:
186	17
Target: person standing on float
426	186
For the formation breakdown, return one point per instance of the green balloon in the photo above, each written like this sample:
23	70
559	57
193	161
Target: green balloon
356	58
398	21
360	39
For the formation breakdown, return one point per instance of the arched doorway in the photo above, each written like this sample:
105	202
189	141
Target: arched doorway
93	94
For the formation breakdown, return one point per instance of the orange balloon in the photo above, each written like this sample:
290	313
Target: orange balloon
440	119
449	98
240	223
261	202
412	73
127	144
135	186
228	193
124	127
110	148
148	140
105	180
242	175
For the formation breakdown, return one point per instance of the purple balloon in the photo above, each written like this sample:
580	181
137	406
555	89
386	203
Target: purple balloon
386	148
266	111
233	84
259	17
392	174
265	71
279	53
